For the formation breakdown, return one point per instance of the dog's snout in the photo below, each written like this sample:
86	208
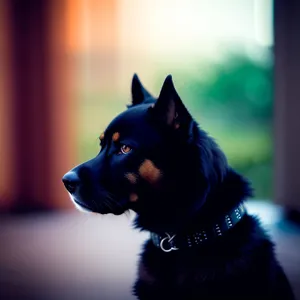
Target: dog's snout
71	181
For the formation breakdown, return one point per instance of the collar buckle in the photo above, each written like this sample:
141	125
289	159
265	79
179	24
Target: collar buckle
167	243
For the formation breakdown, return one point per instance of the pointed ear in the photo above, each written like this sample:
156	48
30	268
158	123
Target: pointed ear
169	107
138	92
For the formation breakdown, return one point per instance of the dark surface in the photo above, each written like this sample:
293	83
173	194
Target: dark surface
79	256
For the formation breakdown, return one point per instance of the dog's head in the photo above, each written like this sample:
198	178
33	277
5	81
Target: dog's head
154	159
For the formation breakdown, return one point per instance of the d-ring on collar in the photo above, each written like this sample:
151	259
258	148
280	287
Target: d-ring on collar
168	239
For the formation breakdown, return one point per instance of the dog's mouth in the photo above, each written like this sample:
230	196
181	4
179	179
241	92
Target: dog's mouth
104	207
83	205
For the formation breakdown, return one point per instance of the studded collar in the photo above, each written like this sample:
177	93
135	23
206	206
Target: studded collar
172	242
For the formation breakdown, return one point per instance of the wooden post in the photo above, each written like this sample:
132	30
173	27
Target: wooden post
6	160
39	42
40	129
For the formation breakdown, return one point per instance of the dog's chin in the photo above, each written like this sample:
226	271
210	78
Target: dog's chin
100	209
81	206
112	210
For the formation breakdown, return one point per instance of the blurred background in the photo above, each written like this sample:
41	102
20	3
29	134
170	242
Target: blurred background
65	71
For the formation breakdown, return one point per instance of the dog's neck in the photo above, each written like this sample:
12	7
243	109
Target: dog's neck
219	202
217	229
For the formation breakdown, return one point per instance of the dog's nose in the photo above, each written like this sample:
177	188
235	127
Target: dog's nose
71	181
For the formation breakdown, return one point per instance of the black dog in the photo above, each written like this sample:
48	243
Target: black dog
155	160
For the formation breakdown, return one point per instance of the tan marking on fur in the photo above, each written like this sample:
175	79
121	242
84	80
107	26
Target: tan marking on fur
176	125
131	177
116	136
149	171
133	197
102	136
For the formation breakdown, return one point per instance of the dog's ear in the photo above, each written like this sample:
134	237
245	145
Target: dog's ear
169	107
138	92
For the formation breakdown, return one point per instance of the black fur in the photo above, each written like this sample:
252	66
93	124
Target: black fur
195	186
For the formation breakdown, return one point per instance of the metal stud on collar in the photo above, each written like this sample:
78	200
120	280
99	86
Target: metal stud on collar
169	240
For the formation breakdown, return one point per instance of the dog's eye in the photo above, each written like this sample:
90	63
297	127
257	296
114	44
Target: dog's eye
125	149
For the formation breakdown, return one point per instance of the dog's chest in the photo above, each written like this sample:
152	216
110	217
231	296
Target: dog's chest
190	274
166	277
159	268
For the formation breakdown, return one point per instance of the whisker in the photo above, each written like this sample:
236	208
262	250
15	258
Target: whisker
96	204
108	204
112	199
